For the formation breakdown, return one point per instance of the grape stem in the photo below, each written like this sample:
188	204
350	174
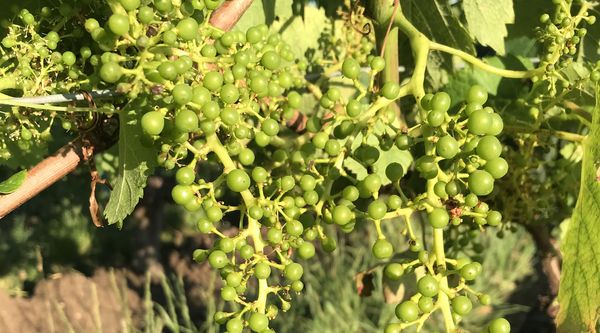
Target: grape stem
215	145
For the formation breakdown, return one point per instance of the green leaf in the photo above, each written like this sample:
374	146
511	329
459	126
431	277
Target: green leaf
303	33
13	182
136	164
386	157
265	11
436	20
579	293
487	21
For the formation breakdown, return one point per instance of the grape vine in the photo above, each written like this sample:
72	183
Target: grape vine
221	108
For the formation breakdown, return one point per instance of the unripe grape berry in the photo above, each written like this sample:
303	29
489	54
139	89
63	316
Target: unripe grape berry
489	147
497	167
481	182
187	29
446	147
218	259
470	271
111	72
377	64
382	249
185	176
258	322
407	311
428	286
390	90
440	102
341	215
393	271
479	122
477	94
118	24
153	123
262	270
377	209
350	68
436	117
238	180
306	250
293	271
461	305
439	218
499	325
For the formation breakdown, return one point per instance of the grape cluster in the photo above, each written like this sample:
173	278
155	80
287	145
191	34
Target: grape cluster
560	35
207	98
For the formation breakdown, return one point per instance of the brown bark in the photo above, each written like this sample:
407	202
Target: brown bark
44	174
230	12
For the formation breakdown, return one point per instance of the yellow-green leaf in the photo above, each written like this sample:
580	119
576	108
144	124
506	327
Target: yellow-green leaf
487	21
579	294
13	182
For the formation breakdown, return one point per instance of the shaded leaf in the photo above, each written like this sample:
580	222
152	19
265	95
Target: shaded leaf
579	293
136	163
265	11
13	182
487	21
436	20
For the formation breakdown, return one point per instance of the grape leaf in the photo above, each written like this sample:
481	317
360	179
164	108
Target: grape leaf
436	20
308	27
13	182
386	157
136	163
487	21
579	293
265	11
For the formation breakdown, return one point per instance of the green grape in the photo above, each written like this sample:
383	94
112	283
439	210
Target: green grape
440	102
262	270
270	127
407	311
218	259
341	215
350	68
372	183
258	322
350	193
186	121
229	93
238	180
426	304
229	116
307	183
479	122
293	271
403	142
393	271
294	99
436	117
187	29
111	72
377	209
259	174
168	71
270	60
447	147
494	218
353	108
294	228
182	194
470	271
377	64
332	147
390	90
428	286
477	95
153	123
481	183
274	236
382	249
118	24
439	218
235	325
499	325
489	147
213	81
306	250
246	252
497	167
185	176
214	213
496	126
461	305
246	156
